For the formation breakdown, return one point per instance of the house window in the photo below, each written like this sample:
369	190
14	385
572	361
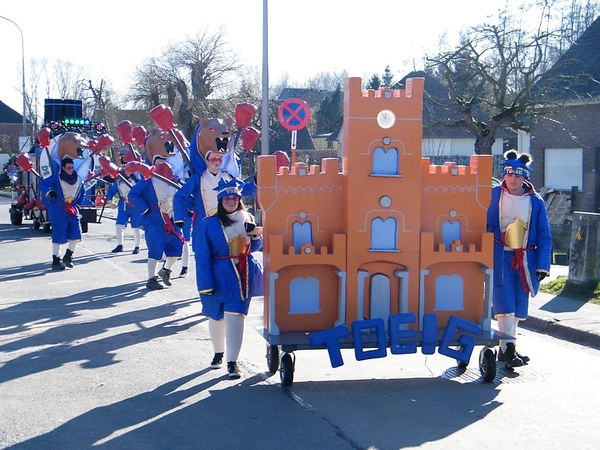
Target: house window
304	296
563	168
384	234
450	232
302	234
449	293
385	162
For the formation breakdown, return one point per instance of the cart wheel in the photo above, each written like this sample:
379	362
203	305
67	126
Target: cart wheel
84	227
16	217
273	358
36	224
47	227
286	371
487	364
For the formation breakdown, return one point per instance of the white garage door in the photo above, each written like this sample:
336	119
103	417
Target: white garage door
563	168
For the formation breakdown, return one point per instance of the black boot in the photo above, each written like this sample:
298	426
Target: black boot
153	284
165	275
56	265
510	357
68	259
524	358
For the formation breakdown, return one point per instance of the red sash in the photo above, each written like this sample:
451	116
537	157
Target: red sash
516	263
242	267
69	208
169	228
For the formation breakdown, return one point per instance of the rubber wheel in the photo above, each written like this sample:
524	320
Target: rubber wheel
47	227
84	227
286	371
487	365
16	217
36	224
272	358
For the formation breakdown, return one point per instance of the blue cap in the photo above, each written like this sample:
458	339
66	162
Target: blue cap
227	188
517	163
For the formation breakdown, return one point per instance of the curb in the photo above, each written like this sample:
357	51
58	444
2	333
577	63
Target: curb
560	331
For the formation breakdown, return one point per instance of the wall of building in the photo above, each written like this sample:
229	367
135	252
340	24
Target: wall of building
575	127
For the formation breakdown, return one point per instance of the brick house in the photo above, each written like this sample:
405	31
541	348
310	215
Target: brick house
566	145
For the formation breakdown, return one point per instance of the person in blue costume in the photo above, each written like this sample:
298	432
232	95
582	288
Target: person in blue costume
226	272
126	213
65	192
186	231
154	199
181	172
522	249
197	197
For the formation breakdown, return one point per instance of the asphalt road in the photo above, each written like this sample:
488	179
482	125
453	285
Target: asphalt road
90	359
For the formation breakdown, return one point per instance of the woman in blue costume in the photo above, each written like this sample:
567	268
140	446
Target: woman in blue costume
522	249
223	247
65	191
125	211
154	199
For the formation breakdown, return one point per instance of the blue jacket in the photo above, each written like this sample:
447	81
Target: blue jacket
539	239
214	269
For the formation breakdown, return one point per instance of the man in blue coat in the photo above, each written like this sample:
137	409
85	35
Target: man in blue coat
125	211
154	199
65	191
522	249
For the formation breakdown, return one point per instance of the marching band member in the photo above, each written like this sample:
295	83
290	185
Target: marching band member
522	249
154	199
65	191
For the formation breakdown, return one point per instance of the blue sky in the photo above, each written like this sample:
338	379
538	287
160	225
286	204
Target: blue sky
315	36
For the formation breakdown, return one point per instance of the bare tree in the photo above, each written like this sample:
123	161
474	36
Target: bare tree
186	76
327	81
98	97
491	75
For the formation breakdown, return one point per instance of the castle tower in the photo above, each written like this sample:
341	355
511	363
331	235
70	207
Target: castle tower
382	163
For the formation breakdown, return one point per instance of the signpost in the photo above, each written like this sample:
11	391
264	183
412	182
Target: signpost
294	115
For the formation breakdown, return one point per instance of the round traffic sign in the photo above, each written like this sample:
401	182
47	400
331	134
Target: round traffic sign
294	114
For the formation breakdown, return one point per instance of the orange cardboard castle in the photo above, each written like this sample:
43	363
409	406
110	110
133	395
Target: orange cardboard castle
389	234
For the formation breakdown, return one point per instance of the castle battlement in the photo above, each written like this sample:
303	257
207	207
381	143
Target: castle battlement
334	255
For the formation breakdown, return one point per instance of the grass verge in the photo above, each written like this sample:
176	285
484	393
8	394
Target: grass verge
585	292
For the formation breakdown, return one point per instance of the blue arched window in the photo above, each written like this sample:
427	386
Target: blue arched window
380	297
386	162
304	296
302	234
384	234
449	293
450	232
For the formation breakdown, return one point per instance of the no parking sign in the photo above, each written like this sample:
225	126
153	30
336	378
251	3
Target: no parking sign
294	114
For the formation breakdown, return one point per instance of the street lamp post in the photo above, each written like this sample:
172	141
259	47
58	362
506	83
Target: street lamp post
265	81
22	72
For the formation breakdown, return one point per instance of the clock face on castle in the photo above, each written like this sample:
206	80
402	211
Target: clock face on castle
386	119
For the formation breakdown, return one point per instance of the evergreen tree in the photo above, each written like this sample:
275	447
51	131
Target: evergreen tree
374	83
330	115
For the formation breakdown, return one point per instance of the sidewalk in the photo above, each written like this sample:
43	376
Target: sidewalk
562	317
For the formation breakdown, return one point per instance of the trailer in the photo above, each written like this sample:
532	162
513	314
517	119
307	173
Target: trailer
371	342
